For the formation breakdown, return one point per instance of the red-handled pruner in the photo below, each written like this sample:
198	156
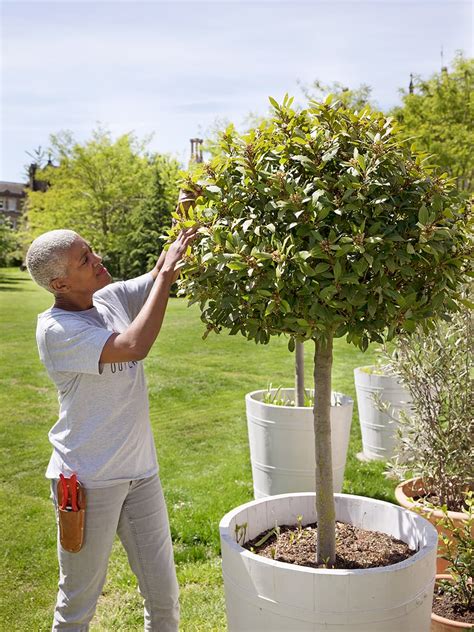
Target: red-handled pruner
69	485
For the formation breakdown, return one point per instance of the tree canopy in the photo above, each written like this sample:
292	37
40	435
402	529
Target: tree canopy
323	220
439	114
151	218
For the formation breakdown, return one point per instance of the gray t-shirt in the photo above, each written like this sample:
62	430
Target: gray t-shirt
103	433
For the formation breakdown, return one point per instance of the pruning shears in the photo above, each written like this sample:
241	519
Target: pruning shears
68	488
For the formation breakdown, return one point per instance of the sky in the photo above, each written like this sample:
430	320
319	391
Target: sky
171	69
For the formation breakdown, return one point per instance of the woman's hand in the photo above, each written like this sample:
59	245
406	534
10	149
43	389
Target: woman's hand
178	249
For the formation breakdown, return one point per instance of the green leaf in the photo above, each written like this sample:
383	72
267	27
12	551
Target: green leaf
213	189
368	258
330	154
317	194
207	257
323	212
303	159
327	292
302	322
329	99
236	265
262	255
321	267
270	308
274	102
291	345
423	215
372	305
437	203
285	306
303	254
409	325
360	266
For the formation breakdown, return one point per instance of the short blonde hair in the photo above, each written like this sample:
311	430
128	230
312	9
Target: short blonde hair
46	259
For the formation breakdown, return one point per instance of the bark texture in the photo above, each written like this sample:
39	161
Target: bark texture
326	543
299	374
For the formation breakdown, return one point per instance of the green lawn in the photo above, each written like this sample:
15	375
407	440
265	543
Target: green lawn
197	393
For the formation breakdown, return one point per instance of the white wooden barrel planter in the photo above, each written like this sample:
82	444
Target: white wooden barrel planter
281	440
266	595
377	427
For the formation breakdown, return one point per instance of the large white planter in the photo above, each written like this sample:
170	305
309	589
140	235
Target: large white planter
379	428
266	595
281	440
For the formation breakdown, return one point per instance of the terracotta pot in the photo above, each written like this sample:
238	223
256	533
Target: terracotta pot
440	624
406	491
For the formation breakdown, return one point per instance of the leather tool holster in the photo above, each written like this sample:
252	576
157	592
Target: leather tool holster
71	523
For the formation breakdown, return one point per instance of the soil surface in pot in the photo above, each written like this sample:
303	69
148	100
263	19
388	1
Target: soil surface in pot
444	605
436	501
355	548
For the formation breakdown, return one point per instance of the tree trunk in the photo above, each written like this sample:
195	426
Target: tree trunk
299	374
326	544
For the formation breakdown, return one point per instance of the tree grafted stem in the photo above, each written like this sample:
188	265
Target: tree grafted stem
326	542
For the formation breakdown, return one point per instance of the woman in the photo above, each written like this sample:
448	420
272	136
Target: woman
92	342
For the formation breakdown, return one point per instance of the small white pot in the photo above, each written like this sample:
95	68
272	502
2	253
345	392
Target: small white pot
281	440
379	428
266	595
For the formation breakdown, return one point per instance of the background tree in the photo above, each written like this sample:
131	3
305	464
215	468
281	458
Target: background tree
9	244
353	98
94	189
151	218
323	224
440	115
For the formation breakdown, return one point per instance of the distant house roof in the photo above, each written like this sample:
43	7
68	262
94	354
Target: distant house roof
12	188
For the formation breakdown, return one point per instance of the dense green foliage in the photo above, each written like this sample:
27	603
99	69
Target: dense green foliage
151	219
440	116
9	244
323	222
113	193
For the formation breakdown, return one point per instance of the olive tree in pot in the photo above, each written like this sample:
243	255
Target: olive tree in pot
435	450
321	224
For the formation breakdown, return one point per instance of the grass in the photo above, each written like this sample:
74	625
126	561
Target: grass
197	408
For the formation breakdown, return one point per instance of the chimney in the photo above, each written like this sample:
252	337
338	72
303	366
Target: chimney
196	149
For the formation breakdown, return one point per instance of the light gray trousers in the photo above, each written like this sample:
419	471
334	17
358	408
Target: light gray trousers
136	511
